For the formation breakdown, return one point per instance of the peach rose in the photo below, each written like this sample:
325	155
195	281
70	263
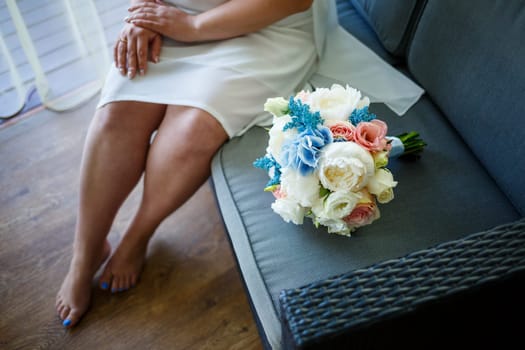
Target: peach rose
372	135
303	96
342	130
364	213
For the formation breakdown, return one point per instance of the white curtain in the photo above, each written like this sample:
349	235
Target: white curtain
344	59
56	46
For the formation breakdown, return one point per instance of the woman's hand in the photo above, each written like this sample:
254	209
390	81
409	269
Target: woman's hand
133	49
164	19
231	19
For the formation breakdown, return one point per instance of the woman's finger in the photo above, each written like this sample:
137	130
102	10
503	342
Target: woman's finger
144	5
150	11
122	48
156	45
142	55
132	58
136	15
148	24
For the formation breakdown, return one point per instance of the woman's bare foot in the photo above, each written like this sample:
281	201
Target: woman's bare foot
74	295
125	265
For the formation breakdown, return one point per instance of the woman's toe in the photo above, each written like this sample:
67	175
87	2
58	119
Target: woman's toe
123	285
59	309
58	304
104	281
133	281
127	283
115	284
104	285
72	318
64	312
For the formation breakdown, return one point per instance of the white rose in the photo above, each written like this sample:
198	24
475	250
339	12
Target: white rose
381	185
345	166
289	210
381	159
335	226
335	103
340	227
277	106
337	205
302	189
278	136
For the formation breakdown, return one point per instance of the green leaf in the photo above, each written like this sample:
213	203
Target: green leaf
323	192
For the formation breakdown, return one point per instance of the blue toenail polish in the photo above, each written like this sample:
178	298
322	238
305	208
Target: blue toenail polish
66	323
104	285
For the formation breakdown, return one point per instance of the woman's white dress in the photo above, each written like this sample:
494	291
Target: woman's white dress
231	79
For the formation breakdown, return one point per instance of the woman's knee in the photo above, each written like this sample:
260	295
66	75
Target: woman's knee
107	120
198	131
127	116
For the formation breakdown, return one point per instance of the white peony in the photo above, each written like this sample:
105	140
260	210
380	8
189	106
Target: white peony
278	136
336	103
345	166
302	189
277	106
382	185
289	210
365	102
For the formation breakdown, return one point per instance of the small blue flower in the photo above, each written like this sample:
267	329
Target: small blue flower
302	153
361	115
267	163
302	118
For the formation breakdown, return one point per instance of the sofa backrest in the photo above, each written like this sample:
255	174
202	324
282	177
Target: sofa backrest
470	58
392	20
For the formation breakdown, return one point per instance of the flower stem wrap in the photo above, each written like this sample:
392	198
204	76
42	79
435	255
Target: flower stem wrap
413	144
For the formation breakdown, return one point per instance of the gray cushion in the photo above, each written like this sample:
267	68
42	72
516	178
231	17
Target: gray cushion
390	19
356	25
470	59
445	195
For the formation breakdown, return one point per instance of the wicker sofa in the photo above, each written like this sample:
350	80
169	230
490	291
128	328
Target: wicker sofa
445	265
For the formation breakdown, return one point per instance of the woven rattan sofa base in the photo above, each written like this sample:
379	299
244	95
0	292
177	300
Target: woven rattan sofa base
466	291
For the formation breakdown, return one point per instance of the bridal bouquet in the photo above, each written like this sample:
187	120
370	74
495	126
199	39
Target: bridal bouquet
327	157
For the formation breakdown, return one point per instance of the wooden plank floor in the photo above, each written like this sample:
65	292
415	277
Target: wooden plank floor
190	295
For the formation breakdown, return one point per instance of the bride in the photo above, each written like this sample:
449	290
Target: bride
188	76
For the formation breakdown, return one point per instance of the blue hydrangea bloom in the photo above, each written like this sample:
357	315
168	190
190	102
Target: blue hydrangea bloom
361	115
302	153
302	118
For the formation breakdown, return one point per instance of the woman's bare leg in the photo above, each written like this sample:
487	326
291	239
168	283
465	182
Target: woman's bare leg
113	161
178	164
